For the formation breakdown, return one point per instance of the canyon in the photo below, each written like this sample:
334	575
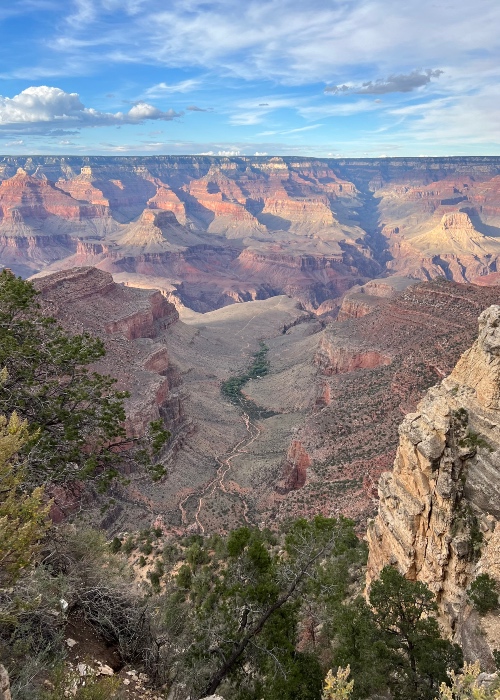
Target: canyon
212	231
312	435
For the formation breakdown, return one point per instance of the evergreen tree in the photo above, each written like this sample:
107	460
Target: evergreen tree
418	657
75	415
235	611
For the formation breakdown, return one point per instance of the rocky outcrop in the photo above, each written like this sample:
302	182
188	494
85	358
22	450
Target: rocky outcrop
295	468
362	300
332	359
439	513
132	324
4	684
352	434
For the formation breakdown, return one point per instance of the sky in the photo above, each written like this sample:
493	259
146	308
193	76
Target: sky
325	78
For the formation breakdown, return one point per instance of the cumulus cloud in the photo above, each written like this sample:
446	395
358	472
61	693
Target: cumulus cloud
402	82
46	107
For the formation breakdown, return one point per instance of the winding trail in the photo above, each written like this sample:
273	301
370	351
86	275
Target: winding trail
218	482
224	461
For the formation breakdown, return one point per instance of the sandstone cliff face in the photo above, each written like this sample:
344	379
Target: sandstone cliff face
444	490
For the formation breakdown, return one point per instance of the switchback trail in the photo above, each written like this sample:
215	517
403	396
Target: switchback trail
218	482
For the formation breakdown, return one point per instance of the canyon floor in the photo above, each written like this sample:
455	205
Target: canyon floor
328	262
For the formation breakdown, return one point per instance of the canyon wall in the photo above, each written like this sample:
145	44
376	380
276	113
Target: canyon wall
439	514
219	230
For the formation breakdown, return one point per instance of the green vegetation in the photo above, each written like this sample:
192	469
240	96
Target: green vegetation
23	516
232	387
465	522
75	416
483	593
252	614
395	642
473	440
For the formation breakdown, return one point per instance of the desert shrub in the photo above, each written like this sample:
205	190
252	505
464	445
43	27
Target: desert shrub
129	545
116	545
338	687
23	514
466	686
146	548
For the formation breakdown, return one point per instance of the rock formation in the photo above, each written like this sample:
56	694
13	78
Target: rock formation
4	684
439	513
370	372
130	322
327	411
239	228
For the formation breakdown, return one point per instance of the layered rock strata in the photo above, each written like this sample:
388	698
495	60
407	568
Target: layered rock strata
309	228
131	323
439	514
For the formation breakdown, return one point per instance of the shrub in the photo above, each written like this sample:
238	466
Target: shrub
338	687
147	548
129	545
482	593
116	545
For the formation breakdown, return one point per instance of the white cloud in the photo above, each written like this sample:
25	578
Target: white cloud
161	89
229	153
454	120
319	41
290	131
46	107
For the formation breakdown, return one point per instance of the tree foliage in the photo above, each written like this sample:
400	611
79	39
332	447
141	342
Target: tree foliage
418	656
483	593
75	415
23	516
394	642
237	606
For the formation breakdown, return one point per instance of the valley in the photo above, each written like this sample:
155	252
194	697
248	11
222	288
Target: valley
303	307
312	433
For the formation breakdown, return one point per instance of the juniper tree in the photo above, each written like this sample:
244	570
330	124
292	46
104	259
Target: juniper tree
234	611
75	415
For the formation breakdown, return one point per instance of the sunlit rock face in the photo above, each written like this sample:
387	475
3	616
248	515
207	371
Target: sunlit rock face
439	516
219	230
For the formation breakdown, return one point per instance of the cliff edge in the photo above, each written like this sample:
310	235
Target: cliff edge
439	513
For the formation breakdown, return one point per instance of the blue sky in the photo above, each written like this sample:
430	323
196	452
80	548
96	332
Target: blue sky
280	77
